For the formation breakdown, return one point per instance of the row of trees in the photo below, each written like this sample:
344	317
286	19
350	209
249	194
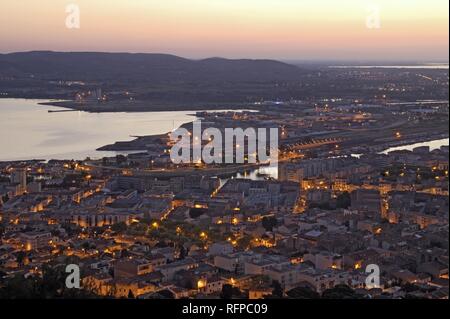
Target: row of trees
51	285
338	292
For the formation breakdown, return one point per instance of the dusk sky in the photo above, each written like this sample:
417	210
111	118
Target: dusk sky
280	29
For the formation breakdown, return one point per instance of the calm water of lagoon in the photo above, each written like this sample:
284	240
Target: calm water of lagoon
431	144
436	66
29	131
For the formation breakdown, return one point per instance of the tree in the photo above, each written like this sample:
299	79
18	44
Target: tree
98	230
411	296
5	198
119	227
50	286
2	229
269	223
166	294
236	269
410	287
20	257
138	229
227	292
196	212
183	252
71	229
19	287
244	242
343	200
303	293
340	292
130	294
124	253
277	289
54	232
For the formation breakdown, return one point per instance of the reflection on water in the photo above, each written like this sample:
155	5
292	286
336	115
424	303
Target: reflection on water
435	144
432	144
259	174
28	130
272	172
436	66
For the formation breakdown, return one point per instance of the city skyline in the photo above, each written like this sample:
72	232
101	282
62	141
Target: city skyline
291	30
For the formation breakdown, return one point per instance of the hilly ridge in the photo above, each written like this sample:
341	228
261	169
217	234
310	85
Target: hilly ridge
94	66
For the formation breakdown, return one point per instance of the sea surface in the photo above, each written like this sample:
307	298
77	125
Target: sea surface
435	144
29	131
422	66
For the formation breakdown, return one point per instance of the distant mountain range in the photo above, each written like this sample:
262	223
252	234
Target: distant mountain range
157	81
95	66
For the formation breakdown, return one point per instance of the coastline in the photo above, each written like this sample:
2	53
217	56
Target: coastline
145	106
141	142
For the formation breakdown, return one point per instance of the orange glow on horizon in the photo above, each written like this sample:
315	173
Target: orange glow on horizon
248	28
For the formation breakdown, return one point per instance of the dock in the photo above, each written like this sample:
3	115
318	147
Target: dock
60	111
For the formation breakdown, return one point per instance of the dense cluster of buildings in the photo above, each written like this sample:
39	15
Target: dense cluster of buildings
139	226
319	225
